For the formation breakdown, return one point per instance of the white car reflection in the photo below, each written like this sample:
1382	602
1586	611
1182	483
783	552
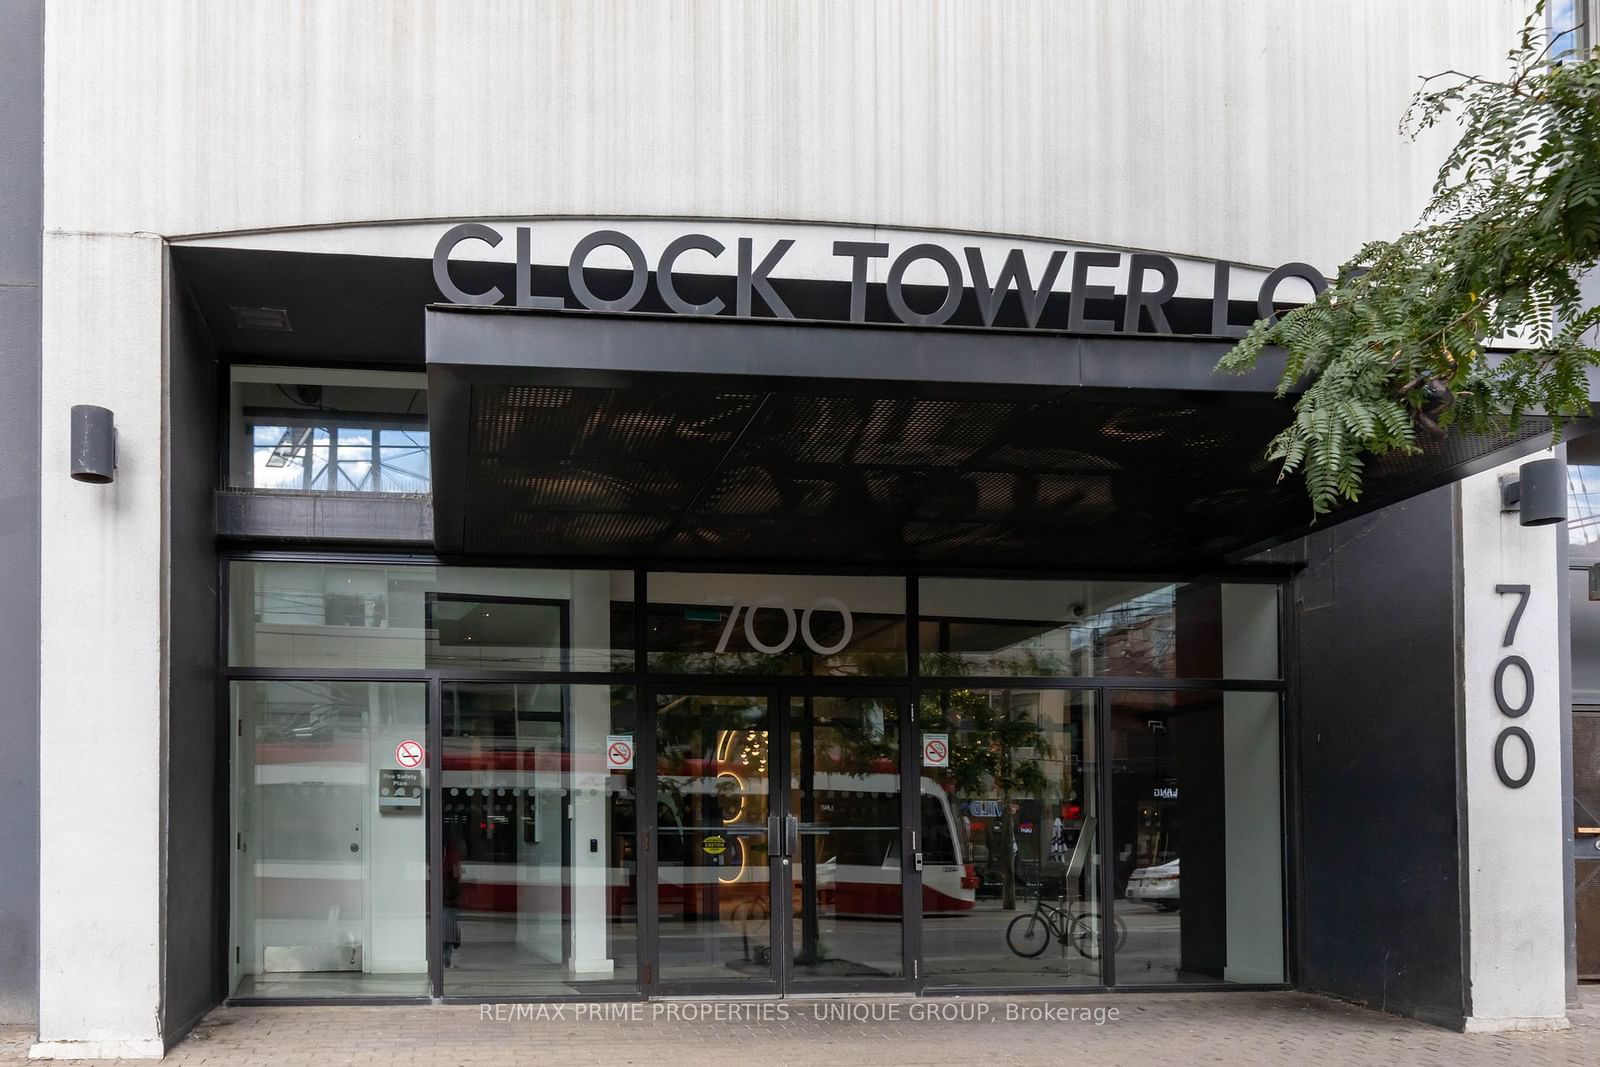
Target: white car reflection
1156	885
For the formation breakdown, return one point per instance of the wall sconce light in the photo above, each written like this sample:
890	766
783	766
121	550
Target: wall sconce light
1538	490
94	444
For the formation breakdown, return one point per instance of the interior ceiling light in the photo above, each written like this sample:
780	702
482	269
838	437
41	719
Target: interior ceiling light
262	319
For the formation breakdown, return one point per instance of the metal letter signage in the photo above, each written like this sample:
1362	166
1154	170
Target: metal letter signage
950	278
1523	592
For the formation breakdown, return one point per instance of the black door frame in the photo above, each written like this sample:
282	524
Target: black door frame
781	980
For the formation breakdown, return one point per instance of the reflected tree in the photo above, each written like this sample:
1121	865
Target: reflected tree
995	746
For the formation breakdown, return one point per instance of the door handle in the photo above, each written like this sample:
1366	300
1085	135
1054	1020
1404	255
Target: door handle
791	842
1587	831
774	836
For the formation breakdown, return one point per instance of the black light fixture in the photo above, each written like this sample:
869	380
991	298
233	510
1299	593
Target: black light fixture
94	444
1538	491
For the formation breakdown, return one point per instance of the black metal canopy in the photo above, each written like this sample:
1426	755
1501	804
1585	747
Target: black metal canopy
662	437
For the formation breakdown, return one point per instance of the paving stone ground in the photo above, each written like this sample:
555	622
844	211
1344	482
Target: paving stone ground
1173	1030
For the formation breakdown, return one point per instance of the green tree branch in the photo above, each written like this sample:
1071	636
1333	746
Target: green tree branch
1399	347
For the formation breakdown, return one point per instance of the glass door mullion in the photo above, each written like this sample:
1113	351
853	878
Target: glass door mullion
435	836
911	839
783	847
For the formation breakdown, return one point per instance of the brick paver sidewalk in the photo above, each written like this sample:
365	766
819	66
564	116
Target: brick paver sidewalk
1174	1029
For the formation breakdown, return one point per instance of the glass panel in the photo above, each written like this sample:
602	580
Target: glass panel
1586	839
329	430
776	624
285	614
844	783
1010	878
973	627
714	879
1195	792
1583	497
540	864
330	884
1585	619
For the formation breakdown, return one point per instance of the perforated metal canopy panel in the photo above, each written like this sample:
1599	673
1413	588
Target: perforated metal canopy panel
537	452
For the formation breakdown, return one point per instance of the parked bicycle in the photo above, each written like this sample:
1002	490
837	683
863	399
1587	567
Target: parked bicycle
1029	935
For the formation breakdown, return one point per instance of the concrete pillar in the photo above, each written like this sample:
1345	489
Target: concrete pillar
1513	833
103	655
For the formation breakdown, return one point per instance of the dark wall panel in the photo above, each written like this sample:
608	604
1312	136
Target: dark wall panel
1379	879
197	807
21	205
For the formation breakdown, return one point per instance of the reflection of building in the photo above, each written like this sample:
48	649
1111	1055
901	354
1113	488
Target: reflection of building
566	432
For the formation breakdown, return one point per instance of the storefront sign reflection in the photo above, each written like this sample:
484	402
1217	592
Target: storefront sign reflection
801	624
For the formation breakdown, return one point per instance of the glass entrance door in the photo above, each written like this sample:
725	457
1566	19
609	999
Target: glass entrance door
848	831
782	840
717	841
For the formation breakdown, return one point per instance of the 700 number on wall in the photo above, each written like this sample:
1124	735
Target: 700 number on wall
1509	663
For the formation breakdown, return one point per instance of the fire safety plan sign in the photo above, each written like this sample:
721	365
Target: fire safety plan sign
399	789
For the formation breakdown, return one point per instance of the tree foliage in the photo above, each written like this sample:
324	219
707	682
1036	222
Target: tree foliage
1400	346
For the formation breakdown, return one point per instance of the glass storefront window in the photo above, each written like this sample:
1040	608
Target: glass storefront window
1084	629
989	771
540	851
1197	846
1010	868
318	615
330	882
323	430
783	624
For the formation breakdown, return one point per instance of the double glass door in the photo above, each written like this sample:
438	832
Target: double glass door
785	847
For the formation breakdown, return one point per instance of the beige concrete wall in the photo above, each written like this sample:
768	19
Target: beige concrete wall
1256	130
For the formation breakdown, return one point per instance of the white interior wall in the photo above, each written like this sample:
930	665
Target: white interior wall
396	842
1252	771
589	785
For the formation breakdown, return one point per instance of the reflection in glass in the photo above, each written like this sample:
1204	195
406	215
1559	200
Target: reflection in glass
330	885
776	624
1019	628
713	869
1197	856
539	844
1010	875
844	781
1583	505
329	430
401	616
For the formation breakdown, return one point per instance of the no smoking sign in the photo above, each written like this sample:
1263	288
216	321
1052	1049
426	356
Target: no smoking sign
936	750
619	752
408	753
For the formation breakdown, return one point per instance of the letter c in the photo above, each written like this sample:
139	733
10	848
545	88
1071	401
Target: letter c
664	279
467	231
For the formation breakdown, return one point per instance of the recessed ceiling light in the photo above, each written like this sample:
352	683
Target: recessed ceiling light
262	319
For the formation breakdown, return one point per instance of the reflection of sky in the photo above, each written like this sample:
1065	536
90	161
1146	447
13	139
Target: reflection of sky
1583	505
1563	15
403	455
